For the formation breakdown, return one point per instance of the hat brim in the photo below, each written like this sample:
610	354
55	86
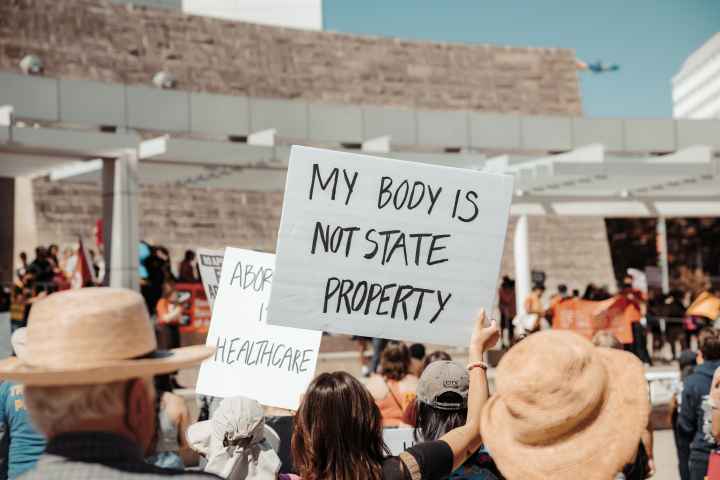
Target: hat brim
158	363
597	451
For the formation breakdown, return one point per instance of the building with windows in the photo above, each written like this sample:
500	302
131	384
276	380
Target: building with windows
696	87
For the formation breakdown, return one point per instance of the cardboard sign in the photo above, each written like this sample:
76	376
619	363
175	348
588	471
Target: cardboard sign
271	364
399	439
210	266
385	248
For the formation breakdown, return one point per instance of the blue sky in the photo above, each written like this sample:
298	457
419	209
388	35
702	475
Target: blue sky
649	39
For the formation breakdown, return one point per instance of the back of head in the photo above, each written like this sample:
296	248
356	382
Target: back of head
558	400
562	289
687	361
338	431
709	344
395	361
435	356
417	351
59	409
442	394
189	255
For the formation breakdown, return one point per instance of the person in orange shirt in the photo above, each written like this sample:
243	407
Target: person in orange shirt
556	300
634	312
394	387
169	315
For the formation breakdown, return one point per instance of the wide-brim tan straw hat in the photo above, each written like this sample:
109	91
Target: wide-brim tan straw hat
565	409
93	335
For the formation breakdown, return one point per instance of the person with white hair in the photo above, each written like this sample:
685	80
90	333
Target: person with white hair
91	356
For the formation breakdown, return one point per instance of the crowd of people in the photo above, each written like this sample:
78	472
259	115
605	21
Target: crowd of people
50	271
674	318
78	266
96	399
87	394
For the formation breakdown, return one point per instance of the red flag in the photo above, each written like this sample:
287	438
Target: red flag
84	275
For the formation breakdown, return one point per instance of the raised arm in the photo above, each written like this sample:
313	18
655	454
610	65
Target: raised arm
465	440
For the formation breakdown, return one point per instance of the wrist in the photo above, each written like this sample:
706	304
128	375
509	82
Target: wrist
475	354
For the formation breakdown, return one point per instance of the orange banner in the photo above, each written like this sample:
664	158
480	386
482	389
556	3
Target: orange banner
588	317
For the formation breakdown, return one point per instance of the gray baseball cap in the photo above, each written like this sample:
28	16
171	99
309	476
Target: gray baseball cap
442	377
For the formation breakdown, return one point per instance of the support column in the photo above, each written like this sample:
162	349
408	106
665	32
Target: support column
521	252
121	220
26	233
662	250
7	229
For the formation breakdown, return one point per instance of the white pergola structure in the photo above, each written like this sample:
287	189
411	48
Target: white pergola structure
562	165
587	181
116	167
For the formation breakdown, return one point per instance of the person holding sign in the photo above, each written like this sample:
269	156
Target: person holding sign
349	444
441	406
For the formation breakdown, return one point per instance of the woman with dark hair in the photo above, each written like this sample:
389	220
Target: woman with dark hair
411	408
187	269
435	356
394	387
348	444
441	406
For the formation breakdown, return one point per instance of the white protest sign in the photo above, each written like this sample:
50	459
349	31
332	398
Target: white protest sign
385	248
270	364
398	439
210	266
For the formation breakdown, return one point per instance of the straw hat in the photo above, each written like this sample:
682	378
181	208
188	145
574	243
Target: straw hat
93	335
565	409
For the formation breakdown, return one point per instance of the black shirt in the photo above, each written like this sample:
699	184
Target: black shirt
283	426
434	459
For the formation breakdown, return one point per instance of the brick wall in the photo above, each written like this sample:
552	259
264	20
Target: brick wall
110	42
178	218
571	250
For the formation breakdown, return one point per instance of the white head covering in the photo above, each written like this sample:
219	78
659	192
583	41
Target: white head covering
236	441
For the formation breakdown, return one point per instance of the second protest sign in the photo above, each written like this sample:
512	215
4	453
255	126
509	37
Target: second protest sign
270	364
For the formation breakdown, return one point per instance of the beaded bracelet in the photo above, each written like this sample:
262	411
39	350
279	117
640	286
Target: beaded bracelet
482	365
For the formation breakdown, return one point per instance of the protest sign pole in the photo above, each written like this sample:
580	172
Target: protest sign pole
522	263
